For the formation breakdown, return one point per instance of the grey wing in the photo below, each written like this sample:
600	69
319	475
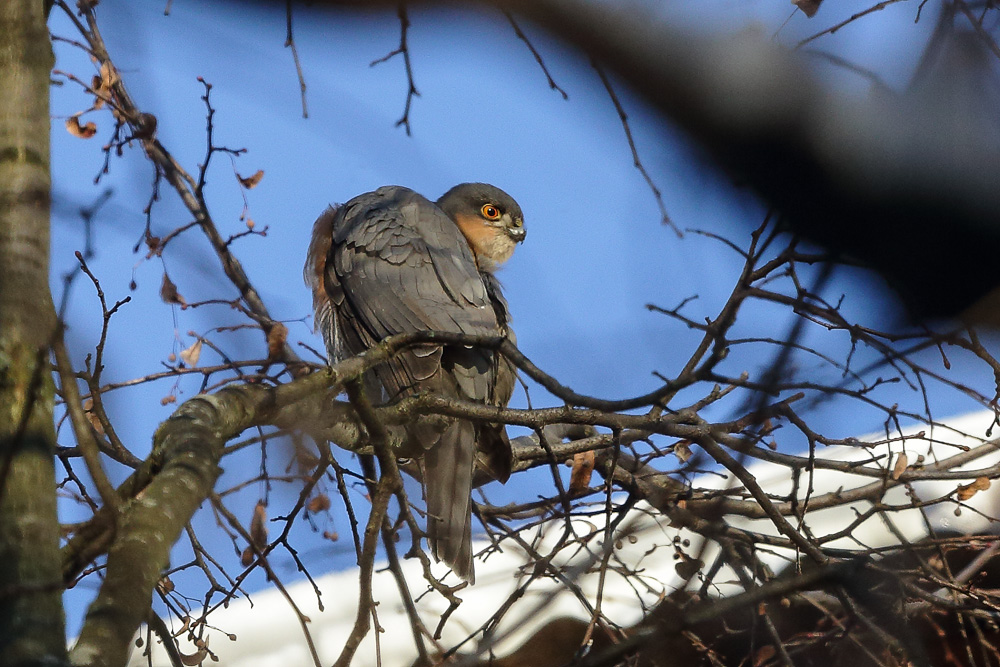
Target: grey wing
398	264
505	372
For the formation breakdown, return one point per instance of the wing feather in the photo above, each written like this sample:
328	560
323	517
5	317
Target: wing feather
404	266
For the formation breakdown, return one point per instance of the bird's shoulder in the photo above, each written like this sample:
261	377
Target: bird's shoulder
407	266
395	222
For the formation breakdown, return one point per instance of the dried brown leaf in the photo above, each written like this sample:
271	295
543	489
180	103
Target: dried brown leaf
102	84
687	567
195	658
318	503
95	85
169	293
305	459
808	7
165	585
258	525
966	491
276	338
85	131
583	468
88	409
154	245
682	450
901	462
250	182
190	356
109	76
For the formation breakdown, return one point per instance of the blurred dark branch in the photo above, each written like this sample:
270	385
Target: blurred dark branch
893	181
864	177
977	24
87	214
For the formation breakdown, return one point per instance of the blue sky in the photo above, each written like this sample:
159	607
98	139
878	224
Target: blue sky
596	251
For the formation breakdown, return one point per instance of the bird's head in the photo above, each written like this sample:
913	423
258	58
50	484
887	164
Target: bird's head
489	218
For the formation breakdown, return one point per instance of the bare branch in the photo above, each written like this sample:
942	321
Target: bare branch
404	50
290	43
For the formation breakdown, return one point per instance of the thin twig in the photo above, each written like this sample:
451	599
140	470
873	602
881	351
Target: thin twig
854	17
85	438
404	50
290	43
664	217
534	52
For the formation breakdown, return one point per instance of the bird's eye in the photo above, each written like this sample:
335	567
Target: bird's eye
490	212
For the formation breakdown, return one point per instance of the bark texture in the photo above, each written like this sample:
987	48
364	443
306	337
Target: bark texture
31	617
174	481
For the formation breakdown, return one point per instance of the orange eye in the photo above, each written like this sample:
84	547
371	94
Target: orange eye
490	212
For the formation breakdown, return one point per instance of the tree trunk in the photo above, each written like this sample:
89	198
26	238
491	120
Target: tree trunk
31	618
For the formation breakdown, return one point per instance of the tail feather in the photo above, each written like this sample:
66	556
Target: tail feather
448	469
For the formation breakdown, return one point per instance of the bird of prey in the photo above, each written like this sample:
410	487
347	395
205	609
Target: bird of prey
392	261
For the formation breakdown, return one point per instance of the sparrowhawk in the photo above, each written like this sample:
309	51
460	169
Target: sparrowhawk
392	261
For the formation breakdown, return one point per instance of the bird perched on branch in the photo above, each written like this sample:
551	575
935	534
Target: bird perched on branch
392	261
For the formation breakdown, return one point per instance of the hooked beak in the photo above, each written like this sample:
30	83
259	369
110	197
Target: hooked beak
517	233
